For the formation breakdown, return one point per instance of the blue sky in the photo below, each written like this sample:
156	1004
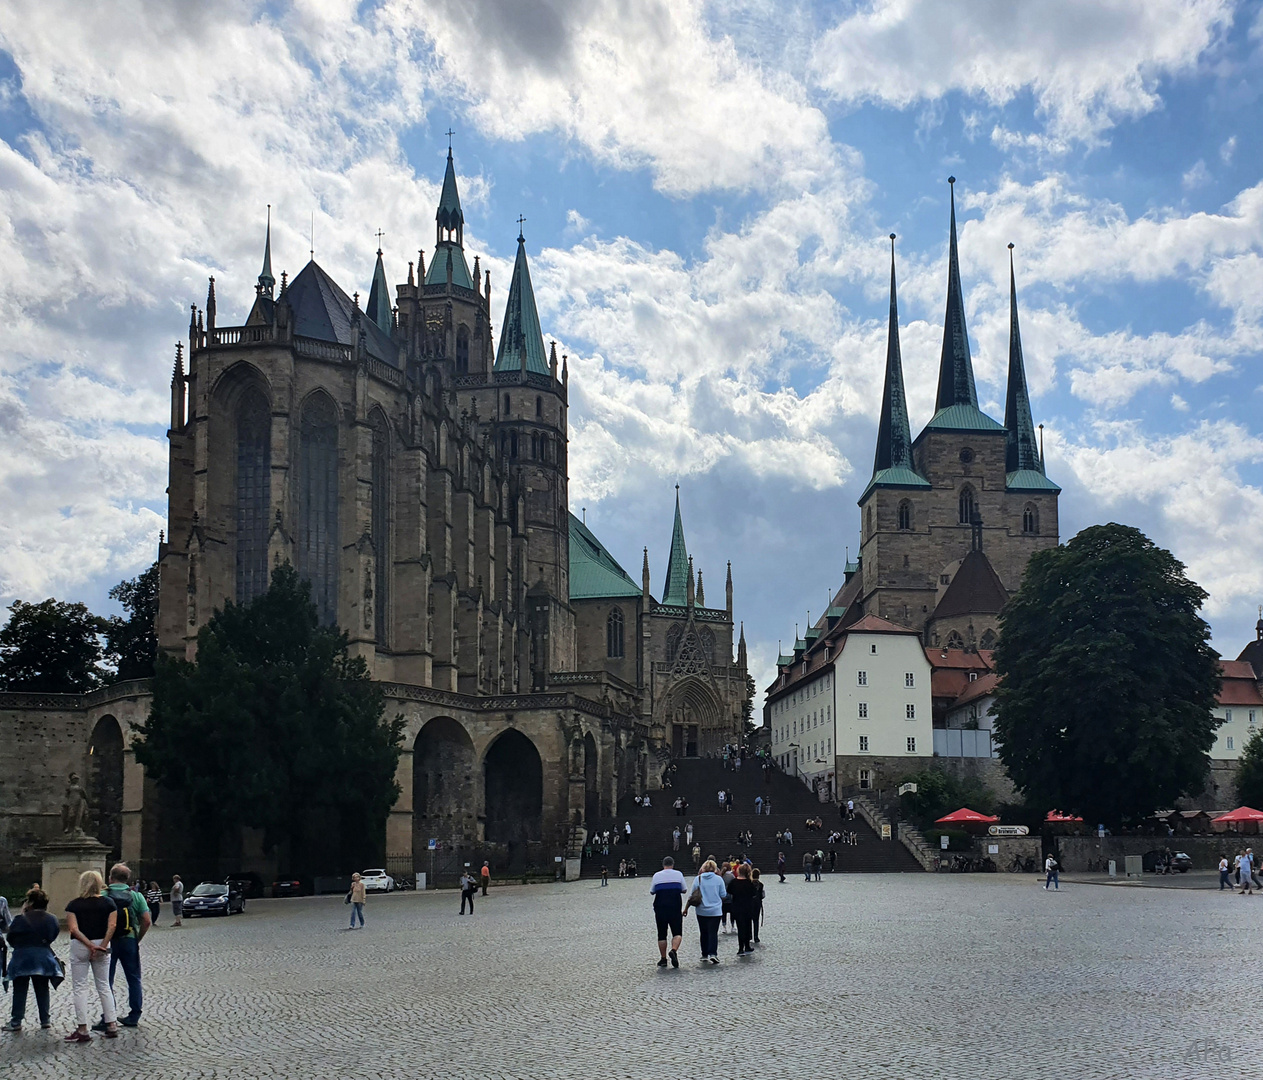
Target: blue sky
707	190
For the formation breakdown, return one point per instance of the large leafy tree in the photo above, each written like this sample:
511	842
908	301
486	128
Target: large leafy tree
276	727
52	647
1250	772
132	643
1108	679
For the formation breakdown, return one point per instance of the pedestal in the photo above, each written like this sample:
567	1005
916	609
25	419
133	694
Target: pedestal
64	860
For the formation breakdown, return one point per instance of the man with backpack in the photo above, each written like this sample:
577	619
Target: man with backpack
132	924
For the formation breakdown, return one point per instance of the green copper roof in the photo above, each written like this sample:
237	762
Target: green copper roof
1028	480
956	369
812	634
782	661
594	572
835	613
962	418
800	646
450	215
901	477
675	592
379	297
520	335
851	568
436	273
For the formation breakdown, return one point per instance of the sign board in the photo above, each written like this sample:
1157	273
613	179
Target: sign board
1100	832
1008	830
942	841
885	832
420	882
905	788
993	849
434	844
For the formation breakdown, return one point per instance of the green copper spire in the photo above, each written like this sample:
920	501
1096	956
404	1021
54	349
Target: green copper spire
675	592
521	341
379	297
1021	451
956	370
450	217
266	281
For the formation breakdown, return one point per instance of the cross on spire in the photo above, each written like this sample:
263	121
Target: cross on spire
379	234
520	222
449	133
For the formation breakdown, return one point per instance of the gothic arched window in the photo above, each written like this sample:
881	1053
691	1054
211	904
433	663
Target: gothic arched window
513	445
1030	519
539	406
254	491
988	639
967	505
506	405
955	641
614	635
381	522
905	515
870	521
462	351
318	504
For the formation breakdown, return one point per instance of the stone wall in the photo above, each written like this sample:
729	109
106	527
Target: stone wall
1075	852
987	771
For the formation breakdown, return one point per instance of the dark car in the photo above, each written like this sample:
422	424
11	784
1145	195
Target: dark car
212	898
1166	862
287	887
250	884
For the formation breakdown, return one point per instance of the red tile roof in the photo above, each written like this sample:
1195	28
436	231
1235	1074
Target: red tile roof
1239	686
980	687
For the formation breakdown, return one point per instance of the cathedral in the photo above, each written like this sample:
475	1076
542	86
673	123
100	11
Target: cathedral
413	469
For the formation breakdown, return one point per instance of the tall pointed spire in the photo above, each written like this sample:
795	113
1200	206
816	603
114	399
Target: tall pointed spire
676	589
1020	451
379	297
892	463
450	218
956	369
521	340
449	238
266	281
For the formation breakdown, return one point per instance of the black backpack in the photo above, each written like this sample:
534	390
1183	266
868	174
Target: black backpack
123	925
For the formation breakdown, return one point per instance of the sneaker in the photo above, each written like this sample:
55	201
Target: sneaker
130	1021
675	960
111	1034
45	1027
713	959
662	962
13	1025
100	1025
79	1037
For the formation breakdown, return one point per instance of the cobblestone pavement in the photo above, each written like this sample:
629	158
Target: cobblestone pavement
859	976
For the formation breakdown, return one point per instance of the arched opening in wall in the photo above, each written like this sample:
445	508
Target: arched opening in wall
104	783
870	521
1030	519
534	447
968	505
253	493
513	445
614	634
539	407
462	350
381	525
905	516
591	783
696	719
989	640
506	405
955	641
443	792
513	779
318	503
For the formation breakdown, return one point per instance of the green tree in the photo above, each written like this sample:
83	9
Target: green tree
276	727
748	726
1250	772
52	647
132	643
939	793
1108	680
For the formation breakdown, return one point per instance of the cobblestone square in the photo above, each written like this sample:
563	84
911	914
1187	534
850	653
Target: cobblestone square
859	975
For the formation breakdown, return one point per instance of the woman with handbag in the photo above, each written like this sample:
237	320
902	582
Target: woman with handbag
707	894
34	964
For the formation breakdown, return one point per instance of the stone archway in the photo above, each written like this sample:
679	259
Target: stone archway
104	782
591	788
513	779
444	796
696	716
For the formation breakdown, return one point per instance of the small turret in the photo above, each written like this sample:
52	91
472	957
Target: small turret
177	389
690	595
210	307
728	590
701	592
741	648
266	281
644	584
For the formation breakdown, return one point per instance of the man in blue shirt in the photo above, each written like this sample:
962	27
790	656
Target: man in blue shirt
668	898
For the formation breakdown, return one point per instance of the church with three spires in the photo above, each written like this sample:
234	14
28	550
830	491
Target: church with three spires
413	469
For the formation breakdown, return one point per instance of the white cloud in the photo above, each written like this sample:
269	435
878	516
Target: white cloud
1087	63
1197	176
1228	150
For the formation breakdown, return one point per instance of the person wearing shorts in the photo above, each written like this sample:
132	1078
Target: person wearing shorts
668	899
177	899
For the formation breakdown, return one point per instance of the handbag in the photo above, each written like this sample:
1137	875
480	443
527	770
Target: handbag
348	897
695	898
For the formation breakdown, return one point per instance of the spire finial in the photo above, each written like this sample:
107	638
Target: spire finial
379	235
520	222
1020	452
449	133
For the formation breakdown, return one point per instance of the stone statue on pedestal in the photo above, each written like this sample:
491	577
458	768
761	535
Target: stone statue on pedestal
74	811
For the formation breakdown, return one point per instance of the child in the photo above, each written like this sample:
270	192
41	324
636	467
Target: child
605	876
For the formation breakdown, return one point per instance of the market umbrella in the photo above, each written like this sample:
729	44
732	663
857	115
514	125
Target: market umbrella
966	816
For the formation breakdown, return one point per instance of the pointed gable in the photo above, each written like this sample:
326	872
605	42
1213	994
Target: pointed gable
976	589
675	593
324	312
378	308
520	336
594	572
450	215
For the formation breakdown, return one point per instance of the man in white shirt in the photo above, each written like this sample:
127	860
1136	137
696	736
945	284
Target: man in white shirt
1050	869
668	890
723	795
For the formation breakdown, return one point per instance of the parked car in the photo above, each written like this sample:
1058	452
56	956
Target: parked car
1163	862
377	881
214	898
1182	862
251	884
287	887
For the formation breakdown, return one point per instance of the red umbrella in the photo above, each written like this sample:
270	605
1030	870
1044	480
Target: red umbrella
1057	815
1242	813
966	816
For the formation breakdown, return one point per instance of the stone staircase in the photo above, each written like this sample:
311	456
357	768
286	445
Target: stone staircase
699	780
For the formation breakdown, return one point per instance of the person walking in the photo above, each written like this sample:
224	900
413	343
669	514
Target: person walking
688	833
355	896
780	865
758	805
153	897
817	863
760	894
697	857
1050	870
707	894
806	865
723	798
728	873
1224	883
850	809
605	876
485	876
742	892
177	900
133	924
1247	872
626	832
728	804
767	806
675	839
91	920
34	965
667	890
468	890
